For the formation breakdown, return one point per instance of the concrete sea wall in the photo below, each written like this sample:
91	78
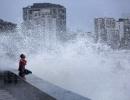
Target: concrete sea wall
34	88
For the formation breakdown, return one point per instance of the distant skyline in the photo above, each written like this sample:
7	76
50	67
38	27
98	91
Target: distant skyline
80	13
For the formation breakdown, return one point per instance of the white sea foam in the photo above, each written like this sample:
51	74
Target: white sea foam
92	70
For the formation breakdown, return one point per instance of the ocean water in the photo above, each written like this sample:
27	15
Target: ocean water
87	71
80	65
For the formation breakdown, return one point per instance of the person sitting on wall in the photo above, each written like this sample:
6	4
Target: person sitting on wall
22	64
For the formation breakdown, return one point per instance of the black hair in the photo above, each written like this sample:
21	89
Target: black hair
22	56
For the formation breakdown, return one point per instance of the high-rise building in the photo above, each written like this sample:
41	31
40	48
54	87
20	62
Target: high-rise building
123	26
120	28
103	26
46	17
113	39
105	32
112	32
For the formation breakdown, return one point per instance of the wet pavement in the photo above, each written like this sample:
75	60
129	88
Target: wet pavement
14	87
30	87
5	95
6	78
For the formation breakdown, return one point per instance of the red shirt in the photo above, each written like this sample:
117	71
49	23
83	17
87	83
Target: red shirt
22	64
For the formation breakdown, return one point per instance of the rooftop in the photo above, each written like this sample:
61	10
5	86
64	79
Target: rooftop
123	19
45	5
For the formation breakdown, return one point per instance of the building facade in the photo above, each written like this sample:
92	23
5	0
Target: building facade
112	32
105	32
47	18
103	26
123	27
113	39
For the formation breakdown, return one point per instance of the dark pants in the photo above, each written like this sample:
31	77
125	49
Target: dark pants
23	72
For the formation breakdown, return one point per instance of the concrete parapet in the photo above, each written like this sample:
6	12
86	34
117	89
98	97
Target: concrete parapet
34	88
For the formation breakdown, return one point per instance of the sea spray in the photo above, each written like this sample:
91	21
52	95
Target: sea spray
80	65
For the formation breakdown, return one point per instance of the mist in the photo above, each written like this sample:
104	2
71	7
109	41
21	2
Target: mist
80	65
99	75
91	69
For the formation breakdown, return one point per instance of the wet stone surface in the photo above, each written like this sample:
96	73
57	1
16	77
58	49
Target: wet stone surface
14	87
6	78
5	95
31	87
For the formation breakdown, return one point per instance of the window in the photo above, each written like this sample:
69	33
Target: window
35	14
43	15
54	11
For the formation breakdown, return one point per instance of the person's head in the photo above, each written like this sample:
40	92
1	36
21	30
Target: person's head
22	56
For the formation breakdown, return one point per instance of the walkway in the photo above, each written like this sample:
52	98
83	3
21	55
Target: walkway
5	95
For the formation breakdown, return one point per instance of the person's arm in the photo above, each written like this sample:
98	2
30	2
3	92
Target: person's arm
25	62
19	64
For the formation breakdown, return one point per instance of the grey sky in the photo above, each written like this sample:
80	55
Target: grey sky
80	13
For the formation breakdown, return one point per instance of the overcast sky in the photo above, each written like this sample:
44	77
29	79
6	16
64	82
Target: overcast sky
80	13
